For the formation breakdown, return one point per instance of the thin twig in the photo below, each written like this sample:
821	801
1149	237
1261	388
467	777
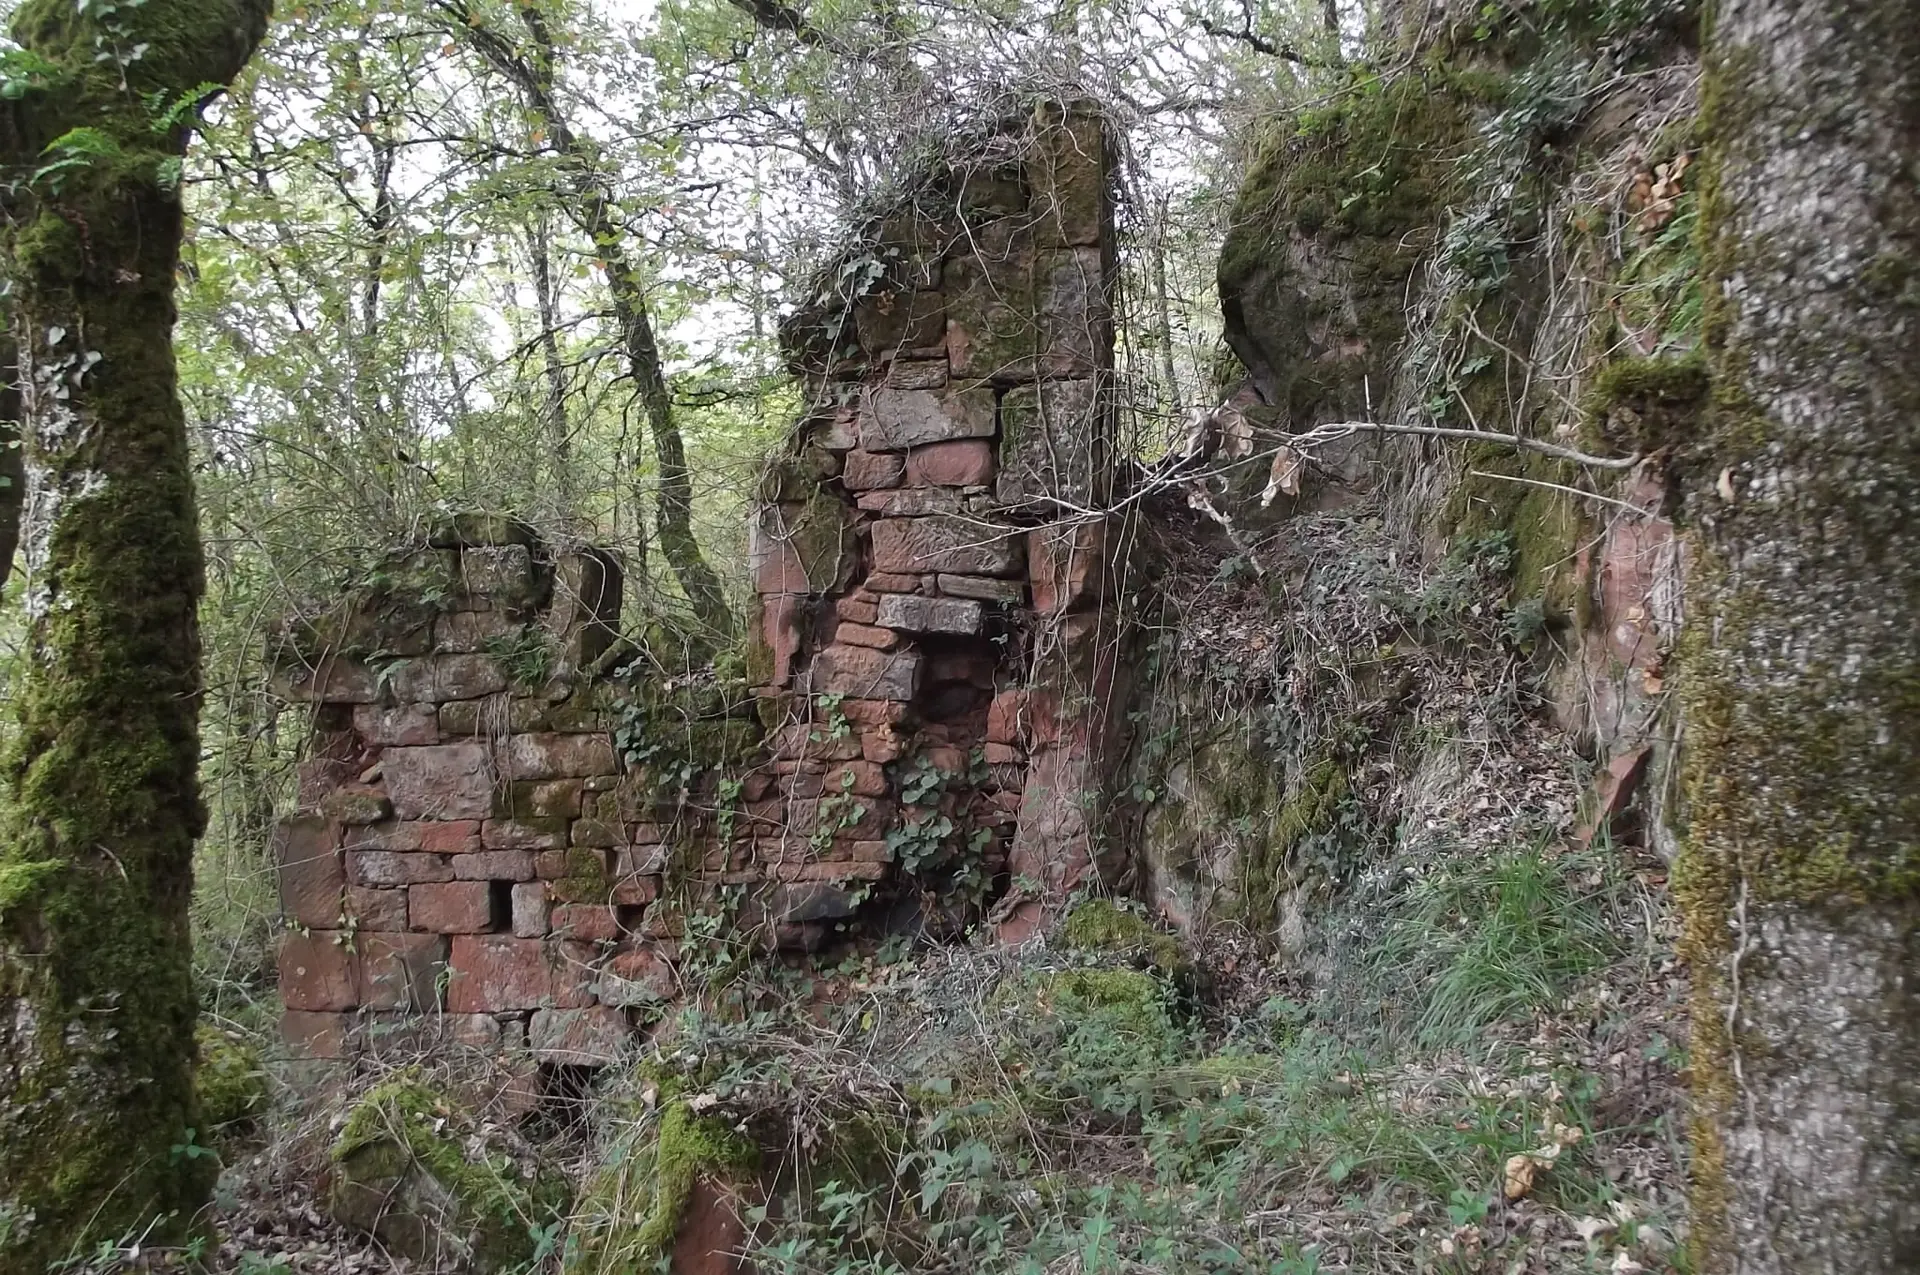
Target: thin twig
1339	429
1571	491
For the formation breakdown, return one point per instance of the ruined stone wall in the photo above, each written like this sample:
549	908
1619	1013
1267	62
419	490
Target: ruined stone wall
498	839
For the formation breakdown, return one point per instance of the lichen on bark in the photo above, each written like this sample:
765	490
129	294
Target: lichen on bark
98	1122
1802	672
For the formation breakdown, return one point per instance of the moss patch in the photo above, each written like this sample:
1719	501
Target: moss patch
231	1083
1098	925
409	1168
631	1212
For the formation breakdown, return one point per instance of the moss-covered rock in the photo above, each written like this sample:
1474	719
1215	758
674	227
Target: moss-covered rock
230	1080
1099	925
411	1169
1338	206
638	1197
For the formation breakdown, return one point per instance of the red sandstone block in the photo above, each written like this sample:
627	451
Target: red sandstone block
375	909
311	1035
782	622
585	922
493	865
888	582
455	836
1006	718
306	853
576	970
861	778
810	782
451	907
865	471
828	871
948	761
857	671
636	891
873	712
388	868
496	974
384	836
756	785
871	852
1067	566
523	834
441	781
557	756
636	976
881	745
316	971
866	635
859	611
961	462
641	861
1003	754
404	724
400	971
437	678
530	910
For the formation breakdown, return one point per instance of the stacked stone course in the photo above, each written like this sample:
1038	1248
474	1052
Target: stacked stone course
930	650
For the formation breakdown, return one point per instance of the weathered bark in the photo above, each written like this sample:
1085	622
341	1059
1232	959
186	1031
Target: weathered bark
1801	874
673	491
96	1000
13	467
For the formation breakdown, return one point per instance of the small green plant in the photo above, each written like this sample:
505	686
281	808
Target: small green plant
525	654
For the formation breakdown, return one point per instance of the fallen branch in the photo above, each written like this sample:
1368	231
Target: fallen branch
1340	429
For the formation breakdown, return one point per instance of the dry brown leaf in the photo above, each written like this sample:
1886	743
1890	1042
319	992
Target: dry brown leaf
1518	1177
1284	477
1236	433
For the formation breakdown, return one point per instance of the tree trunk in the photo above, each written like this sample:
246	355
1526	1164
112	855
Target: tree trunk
97	1007
1800	879
554	411
673	491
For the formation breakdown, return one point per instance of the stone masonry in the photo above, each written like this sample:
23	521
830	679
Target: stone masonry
496	831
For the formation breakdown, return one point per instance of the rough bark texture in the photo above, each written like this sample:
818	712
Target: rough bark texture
1803	702
96	1000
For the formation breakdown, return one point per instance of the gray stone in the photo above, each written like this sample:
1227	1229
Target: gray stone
1056	443
396	867
863	673
986	590
582	1037
435	679
911	613
505	574
911	546
912	502
439	781
893	420
917	374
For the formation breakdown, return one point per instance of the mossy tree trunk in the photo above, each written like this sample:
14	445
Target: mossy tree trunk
1801	873
96	1000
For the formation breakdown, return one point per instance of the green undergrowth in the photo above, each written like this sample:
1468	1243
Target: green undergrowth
970	1110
